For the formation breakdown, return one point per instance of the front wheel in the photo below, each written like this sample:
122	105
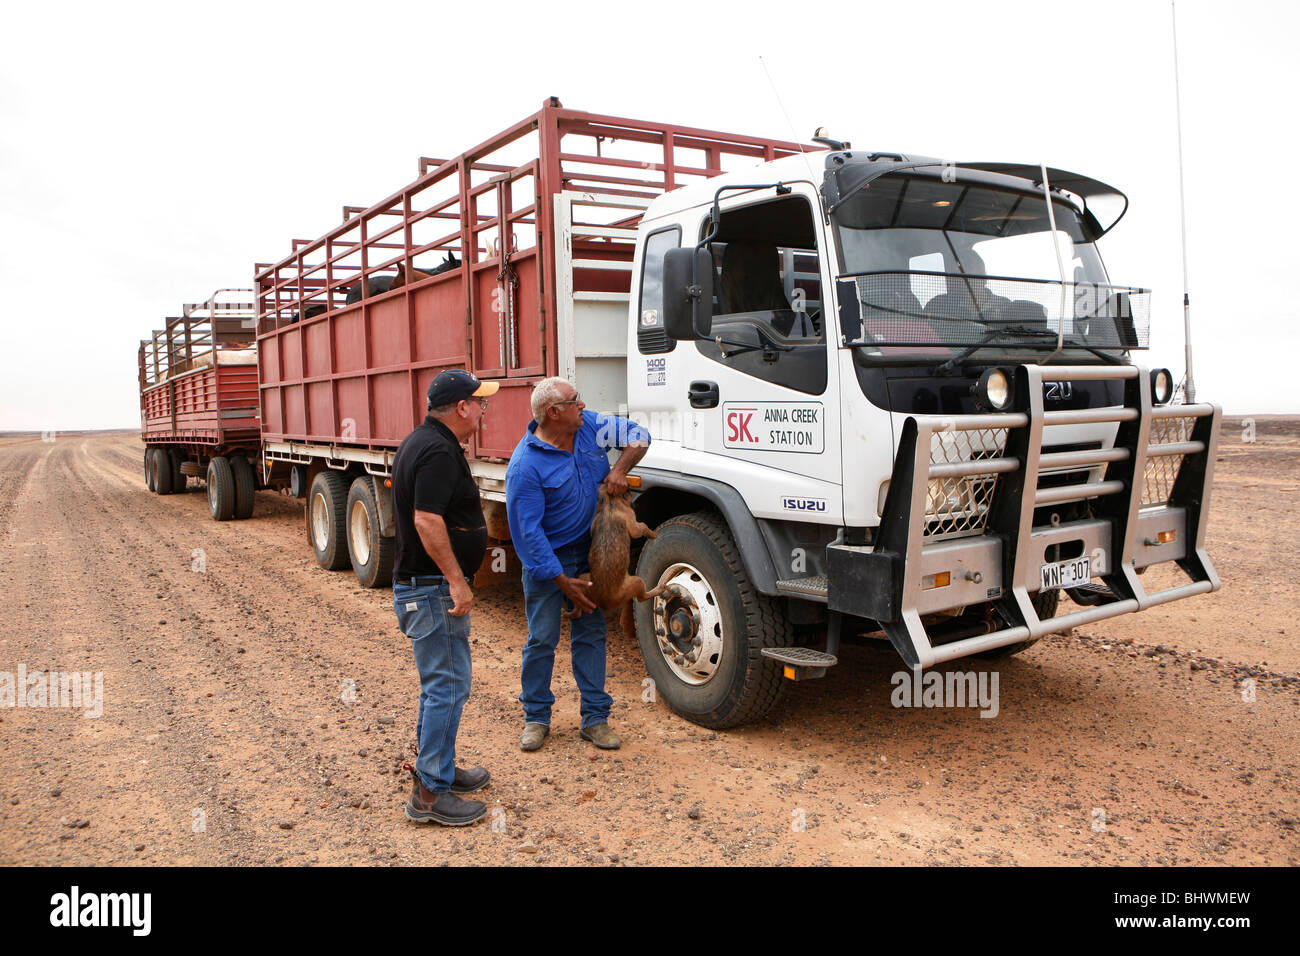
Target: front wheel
702	638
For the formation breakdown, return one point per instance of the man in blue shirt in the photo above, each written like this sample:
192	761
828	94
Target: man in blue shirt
551	489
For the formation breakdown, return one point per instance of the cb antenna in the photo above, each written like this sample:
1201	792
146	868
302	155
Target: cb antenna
1189	392
794	137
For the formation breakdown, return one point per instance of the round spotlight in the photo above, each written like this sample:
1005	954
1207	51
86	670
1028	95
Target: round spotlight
994	390
1162	385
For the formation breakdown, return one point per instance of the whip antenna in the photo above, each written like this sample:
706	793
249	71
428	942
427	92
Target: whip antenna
1189	392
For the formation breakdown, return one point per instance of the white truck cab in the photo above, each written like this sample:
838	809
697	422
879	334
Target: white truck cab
894	396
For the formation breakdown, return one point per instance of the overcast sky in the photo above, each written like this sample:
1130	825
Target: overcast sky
152	153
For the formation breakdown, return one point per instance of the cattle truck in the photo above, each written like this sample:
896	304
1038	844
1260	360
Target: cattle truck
198	403
891	397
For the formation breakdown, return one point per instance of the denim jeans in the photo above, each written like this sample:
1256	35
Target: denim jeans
441	646
543	603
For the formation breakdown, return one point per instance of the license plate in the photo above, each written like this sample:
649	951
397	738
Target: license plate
1066	574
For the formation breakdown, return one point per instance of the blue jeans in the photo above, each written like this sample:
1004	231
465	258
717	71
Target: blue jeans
543	603
441	646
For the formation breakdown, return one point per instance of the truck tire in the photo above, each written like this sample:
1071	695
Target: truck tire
370	552
162	472
245	486
327	529
221	490
148	468
1045	603
180	483
710	600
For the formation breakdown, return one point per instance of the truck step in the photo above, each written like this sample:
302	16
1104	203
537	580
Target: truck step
1090	595
801	663
814	586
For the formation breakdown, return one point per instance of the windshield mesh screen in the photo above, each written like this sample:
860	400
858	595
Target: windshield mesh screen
944	309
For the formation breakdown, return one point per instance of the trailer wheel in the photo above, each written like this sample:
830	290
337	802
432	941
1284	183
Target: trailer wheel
245	486
221	490
702	639
148	467
371	553
180	483
1045	604
162	472
327	528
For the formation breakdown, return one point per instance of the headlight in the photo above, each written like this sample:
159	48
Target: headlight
994	390
1162	385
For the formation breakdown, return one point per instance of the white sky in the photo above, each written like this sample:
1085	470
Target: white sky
152	153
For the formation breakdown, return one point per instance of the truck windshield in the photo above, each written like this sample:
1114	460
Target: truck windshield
946	265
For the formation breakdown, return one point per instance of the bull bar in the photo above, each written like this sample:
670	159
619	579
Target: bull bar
1151	506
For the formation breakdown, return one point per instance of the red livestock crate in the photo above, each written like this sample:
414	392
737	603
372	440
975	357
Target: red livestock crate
347	351
198	376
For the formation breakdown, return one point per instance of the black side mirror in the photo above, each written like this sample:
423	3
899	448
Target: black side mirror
688	293
850	309
1125	330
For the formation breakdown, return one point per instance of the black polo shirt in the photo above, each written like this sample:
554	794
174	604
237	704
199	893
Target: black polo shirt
430	473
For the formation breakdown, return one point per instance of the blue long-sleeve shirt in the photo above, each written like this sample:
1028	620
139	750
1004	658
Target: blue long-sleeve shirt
551	494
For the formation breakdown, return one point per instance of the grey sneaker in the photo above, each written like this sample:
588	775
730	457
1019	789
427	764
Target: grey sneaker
601	736
533	735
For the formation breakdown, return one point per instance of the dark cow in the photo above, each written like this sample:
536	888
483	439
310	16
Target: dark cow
375	284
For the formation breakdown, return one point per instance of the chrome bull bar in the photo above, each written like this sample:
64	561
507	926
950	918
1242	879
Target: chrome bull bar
1151	506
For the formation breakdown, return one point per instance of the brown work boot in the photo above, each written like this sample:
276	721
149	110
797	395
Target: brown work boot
533	735
601	736
425	806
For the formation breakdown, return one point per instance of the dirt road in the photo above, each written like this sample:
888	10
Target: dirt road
257	709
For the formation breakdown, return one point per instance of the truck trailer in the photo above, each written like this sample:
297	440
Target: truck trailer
890	397
198	403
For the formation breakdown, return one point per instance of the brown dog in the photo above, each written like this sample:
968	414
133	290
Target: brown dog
612	531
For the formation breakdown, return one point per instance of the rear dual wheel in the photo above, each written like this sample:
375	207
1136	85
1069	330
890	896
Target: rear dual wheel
159	464
370	551
327	506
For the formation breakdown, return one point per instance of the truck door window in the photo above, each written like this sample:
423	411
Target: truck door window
651	336
768	307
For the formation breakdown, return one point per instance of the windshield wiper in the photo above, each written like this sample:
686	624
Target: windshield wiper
992	334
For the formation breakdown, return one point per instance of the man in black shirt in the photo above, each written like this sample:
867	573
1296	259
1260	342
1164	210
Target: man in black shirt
441	537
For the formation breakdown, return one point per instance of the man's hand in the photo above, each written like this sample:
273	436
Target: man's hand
575	589
616	483
461	596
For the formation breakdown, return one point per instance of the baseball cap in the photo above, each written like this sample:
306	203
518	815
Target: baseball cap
455	384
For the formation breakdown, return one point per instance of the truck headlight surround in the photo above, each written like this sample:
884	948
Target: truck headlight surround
994	390
1162	386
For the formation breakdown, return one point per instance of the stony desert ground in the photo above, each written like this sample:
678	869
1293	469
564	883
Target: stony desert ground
257	710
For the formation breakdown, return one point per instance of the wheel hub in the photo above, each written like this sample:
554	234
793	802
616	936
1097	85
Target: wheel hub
359	533
319	523
688	625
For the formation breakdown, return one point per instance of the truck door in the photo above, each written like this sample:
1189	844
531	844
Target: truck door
762	396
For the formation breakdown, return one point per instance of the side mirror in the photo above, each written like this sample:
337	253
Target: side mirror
1125	330
850	309
688	298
